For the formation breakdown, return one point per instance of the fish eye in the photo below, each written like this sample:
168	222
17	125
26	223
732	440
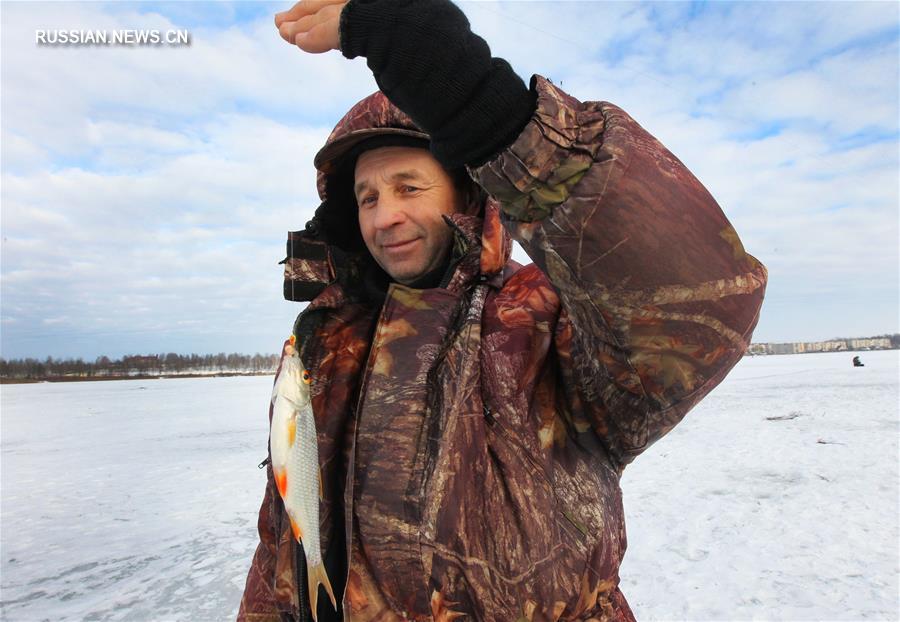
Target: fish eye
306	377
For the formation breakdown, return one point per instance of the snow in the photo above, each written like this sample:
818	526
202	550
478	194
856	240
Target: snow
137	499
737	517
130	499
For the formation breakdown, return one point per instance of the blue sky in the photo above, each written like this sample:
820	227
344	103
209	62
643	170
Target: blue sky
146	191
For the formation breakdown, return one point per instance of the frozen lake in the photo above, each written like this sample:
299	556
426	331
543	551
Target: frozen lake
776	499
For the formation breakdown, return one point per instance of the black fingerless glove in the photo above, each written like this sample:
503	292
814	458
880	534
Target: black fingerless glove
428	62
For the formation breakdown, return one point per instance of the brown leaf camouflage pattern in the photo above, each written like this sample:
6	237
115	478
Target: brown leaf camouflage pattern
478	432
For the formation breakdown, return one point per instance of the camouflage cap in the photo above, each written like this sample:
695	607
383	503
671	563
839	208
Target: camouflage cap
329	157
373	116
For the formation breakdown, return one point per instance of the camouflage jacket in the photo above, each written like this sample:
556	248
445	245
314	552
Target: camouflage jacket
473	437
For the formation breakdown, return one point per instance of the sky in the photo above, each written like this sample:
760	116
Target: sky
146	190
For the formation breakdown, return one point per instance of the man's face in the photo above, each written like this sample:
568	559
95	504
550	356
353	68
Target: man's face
403	194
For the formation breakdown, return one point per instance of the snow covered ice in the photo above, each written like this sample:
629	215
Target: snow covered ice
776	499
131	499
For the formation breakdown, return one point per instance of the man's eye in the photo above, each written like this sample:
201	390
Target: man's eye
367	200
410	189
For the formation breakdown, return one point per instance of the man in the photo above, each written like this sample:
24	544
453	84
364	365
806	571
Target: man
474	416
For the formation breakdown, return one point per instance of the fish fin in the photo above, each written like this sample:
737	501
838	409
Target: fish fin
321	486
295	527
313	594
292	429
281	481
316	575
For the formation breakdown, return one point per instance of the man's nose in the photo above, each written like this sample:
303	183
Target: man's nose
388	213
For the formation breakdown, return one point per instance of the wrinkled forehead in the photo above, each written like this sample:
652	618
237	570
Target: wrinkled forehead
392	164
347	161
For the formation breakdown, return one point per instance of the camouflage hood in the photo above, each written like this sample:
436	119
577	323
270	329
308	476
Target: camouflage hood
329	250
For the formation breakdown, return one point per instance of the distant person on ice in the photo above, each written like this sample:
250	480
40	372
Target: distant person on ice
474	415
857	362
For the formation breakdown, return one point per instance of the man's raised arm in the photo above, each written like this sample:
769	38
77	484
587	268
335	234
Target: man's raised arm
659	296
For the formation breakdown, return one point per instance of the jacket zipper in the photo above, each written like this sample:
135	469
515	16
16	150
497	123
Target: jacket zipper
349	483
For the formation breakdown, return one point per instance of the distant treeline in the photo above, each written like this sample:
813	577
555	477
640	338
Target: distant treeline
137	365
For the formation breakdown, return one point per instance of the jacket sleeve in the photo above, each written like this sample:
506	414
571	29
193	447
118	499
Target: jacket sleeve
659	298
258	600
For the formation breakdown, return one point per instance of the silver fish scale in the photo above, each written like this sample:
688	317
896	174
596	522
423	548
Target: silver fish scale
303	483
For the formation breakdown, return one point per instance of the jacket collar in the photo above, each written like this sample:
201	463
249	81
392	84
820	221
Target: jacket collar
318	272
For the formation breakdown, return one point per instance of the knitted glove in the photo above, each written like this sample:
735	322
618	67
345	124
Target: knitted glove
430	65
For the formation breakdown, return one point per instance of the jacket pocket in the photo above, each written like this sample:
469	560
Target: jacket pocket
566	518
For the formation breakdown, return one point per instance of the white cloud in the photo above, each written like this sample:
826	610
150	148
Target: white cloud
190	237
146	191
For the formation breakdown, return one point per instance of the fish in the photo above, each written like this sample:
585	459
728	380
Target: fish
295	464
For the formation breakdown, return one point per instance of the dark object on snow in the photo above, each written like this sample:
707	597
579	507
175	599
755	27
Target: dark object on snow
793	415
857	362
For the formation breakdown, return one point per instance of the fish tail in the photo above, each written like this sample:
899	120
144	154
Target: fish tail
316	575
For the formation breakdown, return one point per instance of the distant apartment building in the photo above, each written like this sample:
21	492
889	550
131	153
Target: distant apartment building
875	343
833	345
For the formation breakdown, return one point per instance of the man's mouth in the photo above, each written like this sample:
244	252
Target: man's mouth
397	247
